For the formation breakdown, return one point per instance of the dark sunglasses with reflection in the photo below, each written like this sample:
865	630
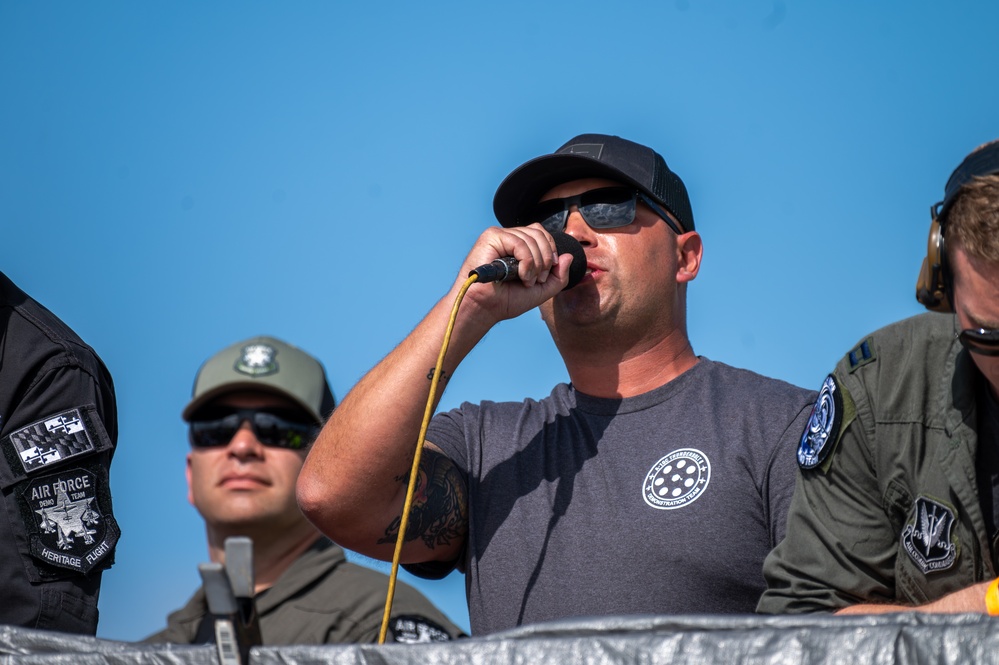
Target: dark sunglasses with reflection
272	427
604	208
980	340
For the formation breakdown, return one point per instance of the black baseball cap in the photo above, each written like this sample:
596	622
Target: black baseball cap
593	156
264	364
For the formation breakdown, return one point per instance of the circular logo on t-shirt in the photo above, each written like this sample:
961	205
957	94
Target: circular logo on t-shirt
677	479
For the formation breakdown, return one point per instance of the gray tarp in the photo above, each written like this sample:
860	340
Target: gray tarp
811	640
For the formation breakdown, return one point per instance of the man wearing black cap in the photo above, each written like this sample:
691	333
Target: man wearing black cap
58	432
256	408
656	482
897	505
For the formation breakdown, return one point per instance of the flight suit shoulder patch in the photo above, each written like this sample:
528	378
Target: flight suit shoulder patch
832	413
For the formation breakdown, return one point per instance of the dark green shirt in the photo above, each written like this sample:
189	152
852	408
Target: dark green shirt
892	513
324	599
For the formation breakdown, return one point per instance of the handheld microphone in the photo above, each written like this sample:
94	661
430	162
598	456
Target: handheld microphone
504	269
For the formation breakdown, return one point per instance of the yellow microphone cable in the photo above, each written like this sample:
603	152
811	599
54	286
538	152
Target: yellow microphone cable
414	472
501	270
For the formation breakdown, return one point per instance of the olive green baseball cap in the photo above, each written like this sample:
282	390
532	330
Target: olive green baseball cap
265	364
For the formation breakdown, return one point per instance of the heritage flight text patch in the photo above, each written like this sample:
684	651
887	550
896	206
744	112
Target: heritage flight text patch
68	519
927	538
417	629
53	439
823	425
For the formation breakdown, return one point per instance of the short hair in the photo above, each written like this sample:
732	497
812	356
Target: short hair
973	219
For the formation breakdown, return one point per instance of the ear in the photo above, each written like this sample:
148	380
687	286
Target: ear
187	473
689	250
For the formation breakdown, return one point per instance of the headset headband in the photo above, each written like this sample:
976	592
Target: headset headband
982	162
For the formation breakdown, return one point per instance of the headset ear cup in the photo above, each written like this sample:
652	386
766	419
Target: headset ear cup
931	286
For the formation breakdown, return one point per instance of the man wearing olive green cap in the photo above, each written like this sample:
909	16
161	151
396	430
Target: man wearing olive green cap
256	407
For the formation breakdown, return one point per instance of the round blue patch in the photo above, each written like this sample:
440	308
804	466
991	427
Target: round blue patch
823	425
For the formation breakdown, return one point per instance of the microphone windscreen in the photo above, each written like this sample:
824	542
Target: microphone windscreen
566	244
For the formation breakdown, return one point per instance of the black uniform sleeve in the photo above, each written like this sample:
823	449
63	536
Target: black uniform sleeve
58	429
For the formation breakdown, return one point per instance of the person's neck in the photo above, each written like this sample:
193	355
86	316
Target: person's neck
617	371
271	557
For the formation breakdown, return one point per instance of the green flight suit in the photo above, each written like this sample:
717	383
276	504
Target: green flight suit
890	513
324	599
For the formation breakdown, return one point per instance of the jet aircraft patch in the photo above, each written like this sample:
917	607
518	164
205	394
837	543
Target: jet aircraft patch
69	520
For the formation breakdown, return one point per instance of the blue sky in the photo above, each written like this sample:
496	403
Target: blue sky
178	176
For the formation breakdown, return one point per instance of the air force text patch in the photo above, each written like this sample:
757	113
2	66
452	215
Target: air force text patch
927	536
416	629
53	439
677	479
70	525
823	425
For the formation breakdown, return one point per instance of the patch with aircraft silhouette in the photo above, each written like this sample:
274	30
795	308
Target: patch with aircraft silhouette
69	519
927	536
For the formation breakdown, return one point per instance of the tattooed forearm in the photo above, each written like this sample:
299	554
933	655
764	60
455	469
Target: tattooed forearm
444	375
439	513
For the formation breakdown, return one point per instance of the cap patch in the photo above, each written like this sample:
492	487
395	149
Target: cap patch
592	150
52	439
69	527
927	536
823	423
861	355
416	629
257	360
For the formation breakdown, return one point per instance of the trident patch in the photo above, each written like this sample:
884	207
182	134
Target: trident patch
927	536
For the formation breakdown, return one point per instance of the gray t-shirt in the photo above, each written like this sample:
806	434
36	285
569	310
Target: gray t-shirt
663	503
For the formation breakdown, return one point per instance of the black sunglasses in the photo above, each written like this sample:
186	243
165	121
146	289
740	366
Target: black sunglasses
605	208
980	340
279	431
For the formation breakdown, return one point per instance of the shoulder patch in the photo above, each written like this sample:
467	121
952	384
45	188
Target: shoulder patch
55	438
927	535
68	518
411	629
862	354
823	425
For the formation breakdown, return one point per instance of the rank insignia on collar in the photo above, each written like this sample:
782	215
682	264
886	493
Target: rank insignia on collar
927	536
823	425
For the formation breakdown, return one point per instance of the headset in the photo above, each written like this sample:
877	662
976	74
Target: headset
934	283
